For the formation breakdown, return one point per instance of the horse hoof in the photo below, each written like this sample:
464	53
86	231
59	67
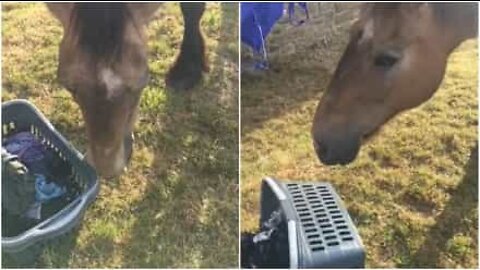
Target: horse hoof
183	79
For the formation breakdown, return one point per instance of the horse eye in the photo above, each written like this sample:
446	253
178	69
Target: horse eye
386	60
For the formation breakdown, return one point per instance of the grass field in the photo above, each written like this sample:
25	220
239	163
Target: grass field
177	205
412	191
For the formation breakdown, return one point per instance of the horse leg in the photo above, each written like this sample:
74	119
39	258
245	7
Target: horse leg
187	70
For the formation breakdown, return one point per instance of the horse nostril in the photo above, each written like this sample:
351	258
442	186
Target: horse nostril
321	148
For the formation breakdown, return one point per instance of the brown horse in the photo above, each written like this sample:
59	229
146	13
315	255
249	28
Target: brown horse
395	60
103	63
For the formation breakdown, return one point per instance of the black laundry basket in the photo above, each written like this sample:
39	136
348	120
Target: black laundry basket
320	231
18	116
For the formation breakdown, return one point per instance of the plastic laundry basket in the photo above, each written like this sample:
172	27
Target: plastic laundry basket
320	231
18	116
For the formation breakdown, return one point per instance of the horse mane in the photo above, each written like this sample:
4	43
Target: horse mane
100	28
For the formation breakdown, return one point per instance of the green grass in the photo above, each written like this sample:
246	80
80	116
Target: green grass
177	205
412	191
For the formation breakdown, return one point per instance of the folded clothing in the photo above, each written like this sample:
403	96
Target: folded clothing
45	191
18	186
37	157
26	147
36	183
267	248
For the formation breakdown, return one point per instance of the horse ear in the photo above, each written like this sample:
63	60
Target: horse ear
424	7
364	10
417	7
61	11
417	10
143	12
362	16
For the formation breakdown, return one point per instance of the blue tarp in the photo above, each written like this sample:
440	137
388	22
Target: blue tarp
257	20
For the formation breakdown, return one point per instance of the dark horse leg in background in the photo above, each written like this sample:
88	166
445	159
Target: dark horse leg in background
187	71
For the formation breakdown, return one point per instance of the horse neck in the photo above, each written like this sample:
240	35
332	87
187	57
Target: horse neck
459	22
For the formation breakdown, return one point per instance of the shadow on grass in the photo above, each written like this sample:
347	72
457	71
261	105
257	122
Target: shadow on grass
280	90
189	214
300	71
463	201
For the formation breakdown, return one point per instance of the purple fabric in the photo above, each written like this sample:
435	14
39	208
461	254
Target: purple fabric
26	146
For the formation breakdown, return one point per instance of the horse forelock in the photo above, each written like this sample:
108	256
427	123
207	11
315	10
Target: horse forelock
100	28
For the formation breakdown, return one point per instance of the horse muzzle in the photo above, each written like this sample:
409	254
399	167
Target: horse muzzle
336	151
111	162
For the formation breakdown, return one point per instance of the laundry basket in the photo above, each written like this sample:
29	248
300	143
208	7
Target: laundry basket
319	231
20	116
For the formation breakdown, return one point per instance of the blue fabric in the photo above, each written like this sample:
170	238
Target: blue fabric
255	15
47	191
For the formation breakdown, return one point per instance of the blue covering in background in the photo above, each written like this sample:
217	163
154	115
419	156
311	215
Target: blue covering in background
257	20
